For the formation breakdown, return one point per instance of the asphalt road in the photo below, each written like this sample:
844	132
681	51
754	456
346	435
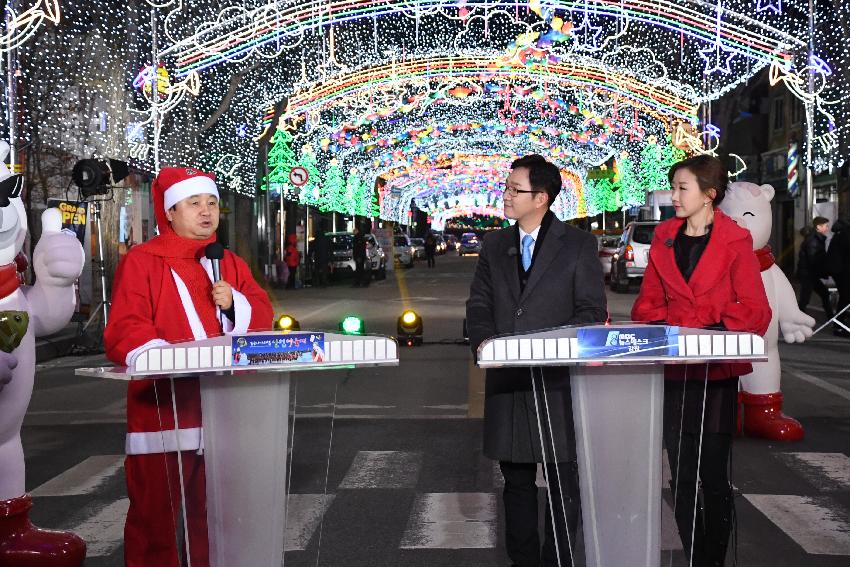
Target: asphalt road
401	480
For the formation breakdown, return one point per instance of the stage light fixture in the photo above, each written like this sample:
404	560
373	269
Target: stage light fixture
352	325
287	323
410	328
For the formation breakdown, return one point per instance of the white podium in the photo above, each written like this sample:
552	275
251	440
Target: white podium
618	399
245	430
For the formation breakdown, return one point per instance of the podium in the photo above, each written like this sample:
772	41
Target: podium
617	384
245	431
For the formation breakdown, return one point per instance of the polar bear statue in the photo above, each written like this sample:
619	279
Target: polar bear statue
749	205
27	312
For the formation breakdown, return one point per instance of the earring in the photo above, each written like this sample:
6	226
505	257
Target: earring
705	204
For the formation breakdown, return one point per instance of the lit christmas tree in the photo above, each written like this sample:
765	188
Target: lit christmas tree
333	195
361	200
352	184
655	163
376	204
600	195
281	161
629	188
310	192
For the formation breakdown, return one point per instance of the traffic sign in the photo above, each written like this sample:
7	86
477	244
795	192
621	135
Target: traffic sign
299	176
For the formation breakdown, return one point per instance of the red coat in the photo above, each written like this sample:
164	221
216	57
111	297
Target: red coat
148	310
726	287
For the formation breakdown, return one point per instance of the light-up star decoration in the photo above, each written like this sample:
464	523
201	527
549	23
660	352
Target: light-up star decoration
716	57
774	6
587	35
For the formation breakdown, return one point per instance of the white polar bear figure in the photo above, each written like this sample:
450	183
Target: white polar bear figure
749	205
27	312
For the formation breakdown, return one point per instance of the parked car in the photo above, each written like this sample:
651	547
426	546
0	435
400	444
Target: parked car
469	244
342	250
403	250
452	243
629	261
418	247
607	245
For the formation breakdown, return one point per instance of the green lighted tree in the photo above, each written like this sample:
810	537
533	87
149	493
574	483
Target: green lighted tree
281	160
600	195
655	162
310	191
629	187
375	204
361	200
333	195
352	184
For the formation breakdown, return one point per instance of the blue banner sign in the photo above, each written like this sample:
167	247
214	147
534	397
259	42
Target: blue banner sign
616	342
260	350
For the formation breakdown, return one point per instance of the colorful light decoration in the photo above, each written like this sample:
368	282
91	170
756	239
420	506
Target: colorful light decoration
581	81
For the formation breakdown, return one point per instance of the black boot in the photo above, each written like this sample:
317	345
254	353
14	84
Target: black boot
719	511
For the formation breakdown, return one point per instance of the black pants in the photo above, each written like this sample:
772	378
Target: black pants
520	498
320	275
363	272
290	281
809	284
715	509
429	255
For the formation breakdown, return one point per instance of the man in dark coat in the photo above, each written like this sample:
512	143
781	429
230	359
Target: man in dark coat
321	258
838	266
362	267
811	266
537	274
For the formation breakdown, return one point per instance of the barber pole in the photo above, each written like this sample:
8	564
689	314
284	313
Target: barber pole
793	170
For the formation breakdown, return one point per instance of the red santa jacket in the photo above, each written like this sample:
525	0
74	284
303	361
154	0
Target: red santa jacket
152	306
726	287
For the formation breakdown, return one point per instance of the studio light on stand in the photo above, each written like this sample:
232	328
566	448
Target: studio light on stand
94	178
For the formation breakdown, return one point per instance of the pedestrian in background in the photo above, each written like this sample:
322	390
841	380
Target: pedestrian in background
838	266
321	251
292	259
430	249
811	266
363	272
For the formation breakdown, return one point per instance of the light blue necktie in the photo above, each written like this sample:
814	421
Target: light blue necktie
527	243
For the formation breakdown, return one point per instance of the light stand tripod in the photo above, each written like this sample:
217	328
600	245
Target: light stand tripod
104	302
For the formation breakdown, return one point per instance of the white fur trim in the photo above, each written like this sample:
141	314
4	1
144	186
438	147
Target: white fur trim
198	185
133	354
189	308
242	313
149	442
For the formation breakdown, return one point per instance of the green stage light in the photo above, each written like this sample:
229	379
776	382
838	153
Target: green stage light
352	325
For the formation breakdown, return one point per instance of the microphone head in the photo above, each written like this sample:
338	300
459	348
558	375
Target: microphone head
214	251
512	251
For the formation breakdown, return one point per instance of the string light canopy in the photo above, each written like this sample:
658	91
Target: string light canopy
368	93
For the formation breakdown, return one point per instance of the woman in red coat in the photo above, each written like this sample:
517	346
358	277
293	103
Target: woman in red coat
702	272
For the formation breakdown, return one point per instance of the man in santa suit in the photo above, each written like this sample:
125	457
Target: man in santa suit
164	293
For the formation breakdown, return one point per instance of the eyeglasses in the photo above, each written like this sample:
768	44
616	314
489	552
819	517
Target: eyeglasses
513	191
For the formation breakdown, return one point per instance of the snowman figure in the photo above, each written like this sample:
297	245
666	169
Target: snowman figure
749	205
27	312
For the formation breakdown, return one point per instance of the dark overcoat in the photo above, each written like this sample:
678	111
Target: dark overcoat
565	286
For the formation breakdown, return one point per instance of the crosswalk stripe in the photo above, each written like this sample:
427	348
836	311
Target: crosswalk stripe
465	520
83	478
104	532
303	514
383	469
815	523
826	471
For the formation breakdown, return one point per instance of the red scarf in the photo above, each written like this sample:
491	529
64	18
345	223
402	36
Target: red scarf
766	259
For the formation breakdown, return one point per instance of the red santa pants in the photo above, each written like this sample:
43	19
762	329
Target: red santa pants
150	534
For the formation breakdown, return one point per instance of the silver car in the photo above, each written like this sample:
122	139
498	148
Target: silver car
632	256
403	250
342	253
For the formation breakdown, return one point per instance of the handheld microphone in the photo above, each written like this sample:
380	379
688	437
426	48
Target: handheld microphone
512	251
214	253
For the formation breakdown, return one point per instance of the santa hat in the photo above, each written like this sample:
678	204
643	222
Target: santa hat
173	184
